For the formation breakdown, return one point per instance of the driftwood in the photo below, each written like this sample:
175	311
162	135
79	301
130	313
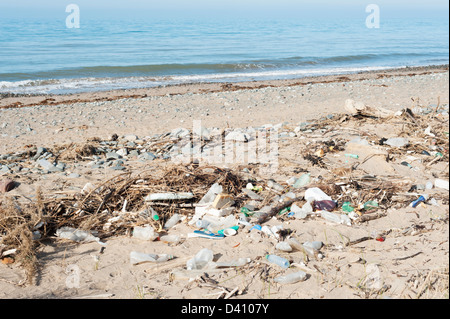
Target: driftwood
275	210
359	108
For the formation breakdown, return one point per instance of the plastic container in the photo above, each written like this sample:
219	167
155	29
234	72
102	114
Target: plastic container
145	233
200	260
172	221
277	260
230	231
291	278
139	258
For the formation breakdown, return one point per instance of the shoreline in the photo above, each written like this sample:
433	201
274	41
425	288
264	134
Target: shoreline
11	100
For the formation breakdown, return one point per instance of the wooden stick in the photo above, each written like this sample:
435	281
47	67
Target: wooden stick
275	210
367	217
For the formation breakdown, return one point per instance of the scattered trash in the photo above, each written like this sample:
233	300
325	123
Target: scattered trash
328	205
77	235
200	260
277	260
205	234
137	258
291	278
145	233
421	199
172	221
440	183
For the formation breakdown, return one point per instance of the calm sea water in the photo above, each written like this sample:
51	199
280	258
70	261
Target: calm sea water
43	56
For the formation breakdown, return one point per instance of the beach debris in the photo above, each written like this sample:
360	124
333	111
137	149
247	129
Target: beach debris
359	108
172	221
137	258
146	232
277	260
168	196
7	185
440	183
200	260
77	235
291	278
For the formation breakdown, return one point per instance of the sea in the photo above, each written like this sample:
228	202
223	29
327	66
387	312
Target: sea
45	56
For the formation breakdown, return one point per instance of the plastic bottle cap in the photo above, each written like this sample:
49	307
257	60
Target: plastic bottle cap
155	217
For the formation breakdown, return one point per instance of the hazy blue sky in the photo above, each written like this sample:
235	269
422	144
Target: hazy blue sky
229	8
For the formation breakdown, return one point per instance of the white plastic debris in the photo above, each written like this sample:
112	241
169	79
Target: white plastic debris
168	196
77	235
316	194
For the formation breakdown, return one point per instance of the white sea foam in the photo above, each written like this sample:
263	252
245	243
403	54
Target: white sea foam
64	86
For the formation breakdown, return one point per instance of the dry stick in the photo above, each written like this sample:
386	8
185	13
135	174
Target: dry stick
407	257
275	210
367	217
357	241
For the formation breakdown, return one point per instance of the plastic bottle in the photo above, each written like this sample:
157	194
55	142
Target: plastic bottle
313	244
330	217
172	221
291	278
172	239
277	260
202	223
327	205
234	263
304	180
145	233
200	260
283	246
138	258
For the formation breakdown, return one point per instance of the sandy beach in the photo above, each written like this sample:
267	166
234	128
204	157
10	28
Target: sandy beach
406	248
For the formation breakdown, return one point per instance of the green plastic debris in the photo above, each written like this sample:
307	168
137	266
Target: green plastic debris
284	211
347	207
371	205
352	155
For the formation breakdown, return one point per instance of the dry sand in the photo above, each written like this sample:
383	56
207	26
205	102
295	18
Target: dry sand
409	264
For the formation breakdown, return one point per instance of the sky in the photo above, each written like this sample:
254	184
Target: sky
229	8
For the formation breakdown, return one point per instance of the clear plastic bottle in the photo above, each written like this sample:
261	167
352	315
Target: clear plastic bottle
291	278
283	246
138	258
277	260
171	239
202	223
200	260
234	263
172	221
